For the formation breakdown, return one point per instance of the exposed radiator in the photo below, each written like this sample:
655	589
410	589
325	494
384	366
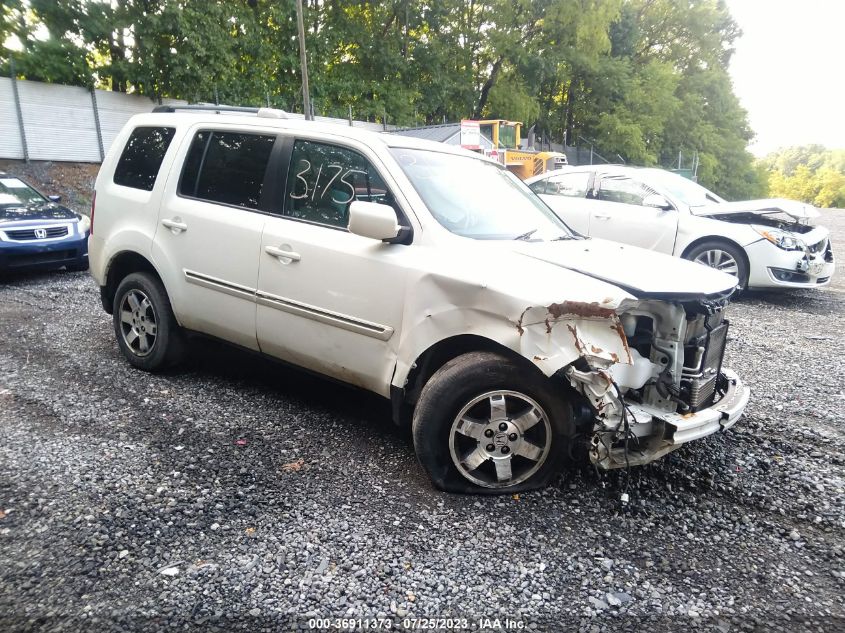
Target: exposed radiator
701	386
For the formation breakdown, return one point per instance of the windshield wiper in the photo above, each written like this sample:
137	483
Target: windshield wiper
567	237
526	235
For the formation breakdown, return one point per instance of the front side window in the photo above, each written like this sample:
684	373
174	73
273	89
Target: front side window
324	179
141	158
227	167
683	189
477	198
569	185
623	190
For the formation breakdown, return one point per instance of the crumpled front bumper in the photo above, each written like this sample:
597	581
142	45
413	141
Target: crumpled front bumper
772	267
659	432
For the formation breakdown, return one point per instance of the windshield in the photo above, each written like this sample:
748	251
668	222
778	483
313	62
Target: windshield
14	191
690	193
478	199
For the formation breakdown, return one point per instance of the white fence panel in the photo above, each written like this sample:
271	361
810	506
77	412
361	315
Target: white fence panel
59	122
116	108
10	134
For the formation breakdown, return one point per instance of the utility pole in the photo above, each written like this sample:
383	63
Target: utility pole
306	97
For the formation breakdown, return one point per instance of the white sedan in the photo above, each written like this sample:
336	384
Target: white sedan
764	243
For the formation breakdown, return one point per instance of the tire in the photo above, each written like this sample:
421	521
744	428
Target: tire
146	330
723	256
77	268
481	401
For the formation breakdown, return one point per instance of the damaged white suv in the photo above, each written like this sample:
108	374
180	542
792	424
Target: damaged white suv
418	271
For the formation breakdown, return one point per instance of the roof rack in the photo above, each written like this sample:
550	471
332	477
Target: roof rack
270	113
213	108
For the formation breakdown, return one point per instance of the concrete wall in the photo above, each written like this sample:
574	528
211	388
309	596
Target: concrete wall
60	123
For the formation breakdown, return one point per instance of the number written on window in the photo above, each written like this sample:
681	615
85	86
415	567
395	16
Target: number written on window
332	173
323	179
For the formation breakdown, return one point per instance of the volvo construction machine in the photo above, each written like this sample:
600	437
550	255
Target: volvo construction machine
505	139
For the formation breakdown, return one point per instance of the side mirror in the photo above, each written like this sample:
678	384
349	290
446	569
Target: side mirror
54	198
658	202
373	220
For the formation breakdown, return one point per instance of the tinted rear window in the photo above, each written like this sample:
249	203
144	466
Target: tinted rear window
227	167
141	158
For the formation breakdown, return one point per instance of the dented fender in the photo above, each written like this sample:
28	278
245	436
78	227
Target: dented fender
556	335
551	336
549	315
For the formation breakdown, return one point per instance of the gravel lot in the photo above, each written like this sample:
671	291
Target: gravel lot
238	495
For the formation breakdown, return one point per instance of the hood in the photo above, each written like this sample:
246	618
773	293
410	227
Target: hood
16	212
792	208
641	272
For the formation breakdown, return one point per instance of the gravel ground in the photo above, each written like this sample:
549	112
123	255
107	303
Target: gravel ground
238	495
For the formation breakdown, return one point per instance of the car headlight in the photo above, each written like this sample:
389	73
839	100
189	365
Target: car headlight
782	239
84	224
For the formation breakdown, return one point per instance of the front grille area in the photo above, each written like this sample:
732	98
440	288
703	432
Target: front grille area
37	259
699	387
29	234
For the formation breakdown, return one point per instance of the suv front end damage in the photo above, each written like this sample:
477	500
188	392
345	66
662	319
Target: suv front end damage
651	371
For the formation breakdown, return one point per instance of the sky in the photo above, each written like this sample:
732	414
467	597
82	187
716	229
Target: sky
788	71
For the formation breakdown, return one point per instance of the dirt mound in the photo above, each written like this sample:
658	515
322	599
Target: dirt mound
73	181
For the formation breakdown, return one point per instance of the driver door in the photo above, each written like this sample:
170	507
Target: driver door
329	300
617	213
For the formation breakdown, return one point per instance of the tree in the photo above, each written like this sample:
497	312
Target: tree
640	80
809	173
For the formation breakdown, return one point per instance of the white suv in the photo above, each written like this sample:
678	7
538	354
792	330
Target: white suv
419	271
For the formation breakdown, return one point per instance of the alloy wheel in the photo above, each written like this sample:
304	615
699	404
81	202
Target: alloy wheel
720	260
138	322
500	439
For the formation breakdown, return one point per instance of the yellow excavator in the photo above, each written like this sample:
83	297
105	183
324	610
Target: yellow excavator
524	163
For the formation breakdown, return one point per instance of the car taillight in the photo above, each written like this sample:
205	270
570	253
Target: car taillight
93	204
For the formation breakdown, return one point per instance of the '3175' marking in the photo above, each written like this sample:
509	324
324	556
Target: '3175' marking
315	193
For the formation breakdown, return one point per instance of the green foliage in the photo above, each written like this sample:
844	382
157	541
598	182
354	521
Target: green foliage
640	80
809	173
511	99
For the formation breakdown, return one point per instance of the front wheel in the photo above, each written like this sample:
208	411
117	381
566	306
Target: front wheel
723	256
483	424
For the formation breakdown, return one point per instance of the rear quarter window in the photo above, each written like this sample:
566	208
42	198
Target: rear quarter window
140	161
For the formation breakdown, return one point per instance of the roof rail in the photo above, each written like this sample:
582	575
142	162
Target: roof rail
207	108
265	113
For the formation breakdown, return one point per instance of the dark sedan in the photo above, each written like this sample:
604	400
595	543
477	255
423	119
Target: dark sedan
38	232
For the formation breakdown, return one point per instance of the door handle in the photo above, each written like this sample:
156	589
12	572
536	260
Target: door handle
281	254
601	217
176	225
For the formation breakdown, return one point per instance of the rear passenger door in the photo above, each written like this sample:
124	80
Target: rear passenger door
209	232
329	300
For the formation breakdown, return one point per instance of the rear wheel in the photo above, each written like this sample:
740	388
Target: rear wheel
723	256
146	330
484	424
